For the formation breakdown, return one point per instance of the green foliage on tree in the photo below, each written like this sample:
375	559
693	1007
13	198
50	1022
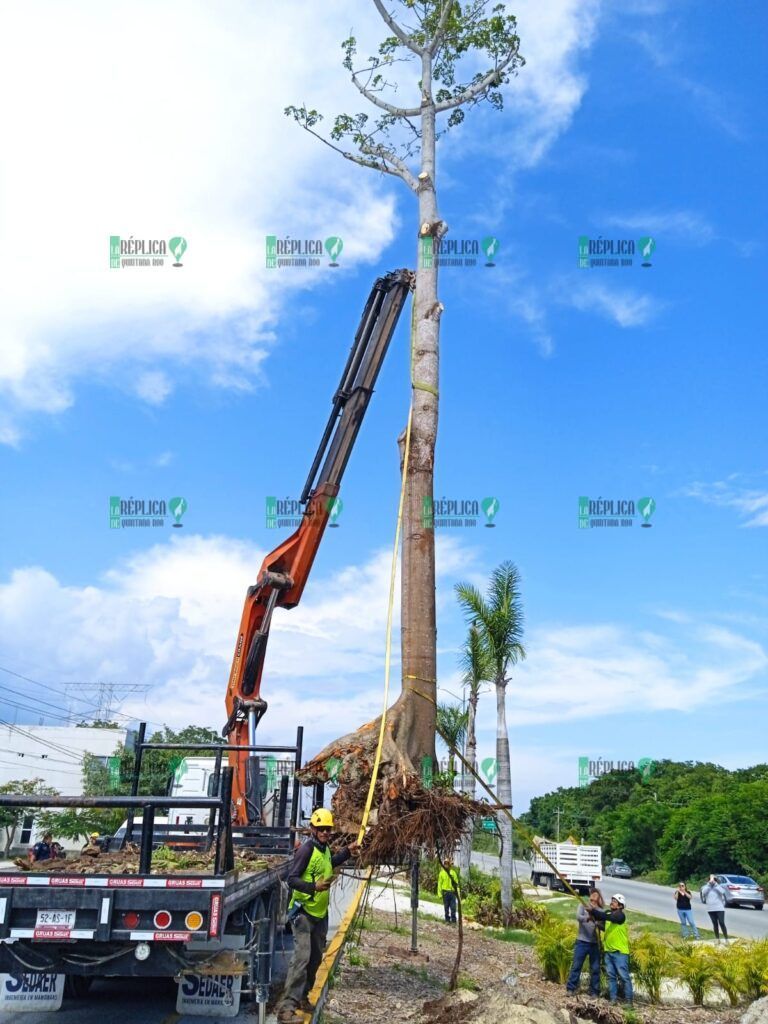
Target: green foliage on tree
12	817
687	820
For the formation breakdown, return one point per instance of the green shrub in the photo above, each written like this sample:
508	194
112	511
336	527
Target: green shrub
729	971
695	967
754	979
467	982
652	960
554	945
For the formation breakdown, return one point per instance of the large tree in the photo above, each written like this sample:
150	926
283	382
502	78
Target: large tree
447	41
498	618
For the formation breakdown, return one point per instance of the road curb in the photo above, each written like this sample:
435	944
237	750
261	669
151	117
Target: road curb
332	955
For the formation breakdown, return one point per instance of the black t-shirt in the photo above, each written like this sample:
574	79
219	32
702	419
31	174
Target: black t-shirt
683	900
42	851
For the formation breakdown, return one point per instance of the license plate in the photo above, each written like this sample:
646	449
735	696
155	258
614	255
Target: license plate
56	919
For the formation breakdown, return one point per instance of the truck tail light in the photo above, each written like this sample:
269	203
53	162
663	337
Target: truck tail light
162	919
131	920
194	920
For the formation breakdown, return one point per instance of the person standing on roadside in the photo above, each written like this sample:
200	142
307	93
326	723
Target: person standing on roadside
587	945
684	912
310	878
448	889
616	947
714	896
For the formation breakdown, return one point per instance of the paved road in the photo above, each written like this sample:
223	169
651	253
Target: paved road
653	899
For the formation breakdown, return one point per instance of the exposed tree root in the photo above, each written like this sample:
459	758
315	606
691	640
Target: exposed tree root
404	815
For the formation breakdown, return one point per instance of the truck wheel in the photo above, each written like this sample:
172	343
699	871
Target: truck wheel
77	986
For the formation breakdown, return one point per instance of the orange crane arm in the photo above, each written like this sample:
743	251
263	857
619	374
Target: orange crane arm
284	572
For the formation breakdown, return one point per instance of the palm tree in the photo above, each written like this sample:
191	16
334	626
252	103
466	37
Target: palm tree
452	723
498	618
477	670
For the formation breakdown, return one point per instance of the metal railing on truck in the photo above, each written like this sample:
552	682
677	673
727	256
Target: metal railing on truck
264	839
220	806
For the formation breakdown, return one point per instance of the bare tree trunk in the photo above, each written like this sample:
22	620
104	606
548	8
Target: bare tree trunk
465	851
418	622
504	791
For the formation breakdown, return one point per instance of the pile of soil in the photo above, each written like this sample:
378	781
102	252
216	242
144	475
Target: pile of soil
379	982
164	862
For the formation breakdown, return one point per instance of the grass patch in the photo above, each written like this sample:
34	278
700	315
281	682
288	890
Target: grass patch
419	972
519	935
357	959
467	982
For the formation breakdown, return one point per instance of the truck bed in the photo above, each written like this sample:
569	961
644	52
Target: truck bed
47	917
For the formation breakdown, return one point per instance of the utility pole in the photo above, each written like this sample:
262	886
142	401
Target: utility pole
558	812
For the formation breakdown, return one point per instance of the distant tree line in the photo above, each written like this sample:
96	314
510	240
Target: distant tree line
682	822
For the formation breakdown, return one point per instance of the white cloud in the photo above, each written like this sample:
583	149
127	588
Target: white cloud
576	672
626	307
686	225
168	617
155	120
750	502
153	387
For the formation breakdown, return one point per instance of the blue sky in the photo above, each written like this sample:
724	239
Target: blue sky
213	381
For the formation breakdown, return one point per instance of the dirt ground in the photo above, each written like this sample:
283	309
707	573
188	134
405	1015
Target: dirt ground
380	983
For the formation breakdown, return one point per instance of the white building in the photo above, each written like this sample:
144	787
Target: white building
53	754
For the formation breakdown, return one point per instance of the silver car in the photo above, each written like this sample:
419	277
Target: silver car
618	869
741	890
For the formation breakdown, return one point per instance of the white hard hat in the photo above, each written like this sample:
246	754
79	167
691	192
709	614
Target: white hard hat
619	899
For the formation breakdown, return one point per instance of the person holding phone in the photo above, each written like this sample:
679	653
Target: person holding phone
684	912
715	898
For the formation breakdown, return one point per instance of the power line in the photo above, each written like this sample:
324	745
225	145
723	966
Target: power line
68	751
64	693
59	771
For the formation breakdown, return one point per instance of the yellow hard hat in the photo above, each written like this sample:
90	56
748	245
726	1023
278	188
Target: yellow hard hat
94	835
321	818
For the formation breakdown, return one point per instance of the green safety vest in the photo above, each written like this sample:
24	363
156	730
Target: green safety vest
616	937
446	881
319	867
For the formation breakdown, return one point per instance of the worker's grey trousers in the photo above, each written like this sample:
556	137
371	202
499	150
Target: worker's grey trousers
309	935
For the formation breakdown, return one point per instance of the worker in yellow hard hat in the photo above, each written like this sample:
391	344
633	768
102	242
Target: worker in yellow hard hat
310	880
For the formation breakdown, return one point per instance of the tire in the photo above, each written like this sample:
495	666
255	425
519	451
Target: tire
758	906
77	986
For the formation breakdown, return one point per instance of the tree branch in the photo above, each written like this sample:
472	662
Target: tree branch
381	155
440	31
474	90
401	169
402	35
382	104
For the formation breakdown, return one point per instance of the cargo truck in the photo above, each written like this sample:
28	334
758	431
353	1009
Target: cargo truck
579	866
